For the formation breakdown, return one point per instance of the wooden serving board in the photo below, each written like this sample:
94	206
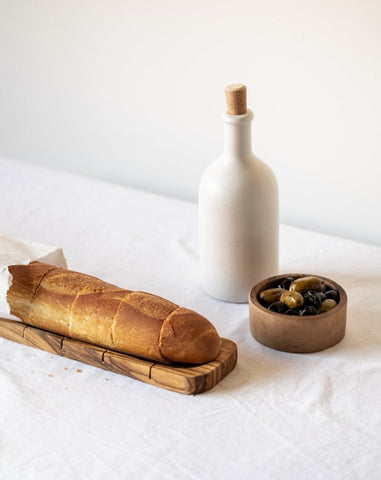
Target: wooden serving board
181	378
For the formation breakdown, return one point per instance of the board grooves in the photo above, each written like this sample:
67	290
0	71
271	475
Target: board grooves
181	378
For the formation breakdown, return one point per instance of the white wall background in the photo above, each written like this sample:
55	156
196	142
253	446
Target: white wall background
132	92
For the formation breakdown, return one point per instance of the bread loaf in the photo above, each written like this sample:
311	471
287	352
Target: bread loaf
85	308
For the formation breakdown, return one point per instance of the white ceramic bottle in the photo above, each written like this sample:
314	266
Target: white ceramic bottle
238	211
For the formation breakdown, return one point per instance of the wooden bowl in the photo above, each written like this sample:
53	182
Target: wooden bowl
290	333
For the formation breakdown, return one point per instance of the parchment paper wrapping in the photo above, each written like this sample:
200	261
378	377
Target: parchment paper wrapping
14	251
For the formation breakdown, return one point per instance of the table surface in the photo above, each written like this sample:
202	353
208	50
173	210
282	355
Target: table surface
276	416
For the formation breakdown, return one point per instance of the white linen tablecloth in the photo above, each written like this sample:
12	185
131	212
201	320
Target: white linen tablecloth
276	416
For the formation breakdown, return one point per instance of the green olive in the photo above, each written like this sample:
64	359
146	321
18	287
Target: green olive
327	305
271	295
292	299
303	284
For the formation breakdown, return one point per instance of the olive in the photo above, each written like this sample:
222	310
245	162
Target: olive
286	282
271	295
332	294
309	310
303	284
290	311
312	298
278	307
320	295
327	305
292	299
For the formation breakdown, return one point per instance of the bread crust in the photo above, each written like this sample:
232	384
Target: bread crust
186	337
86	308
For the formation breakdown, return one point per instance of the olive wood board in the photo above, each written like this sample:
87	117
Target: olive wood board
181	378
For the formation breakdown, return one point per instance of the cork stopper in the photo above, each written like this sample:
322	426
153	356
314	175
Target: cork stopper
236	98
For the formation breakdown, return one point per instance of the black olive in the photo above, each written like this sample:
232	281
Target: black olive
286	282
309	310
278	307
321	296
291	311
332	294
312	298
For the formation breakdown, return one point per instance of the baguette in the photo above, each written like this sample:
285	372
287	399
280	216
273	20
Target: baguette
85	308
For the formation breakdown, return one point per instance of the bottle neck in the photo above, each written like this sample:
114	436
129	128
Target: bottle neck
237	136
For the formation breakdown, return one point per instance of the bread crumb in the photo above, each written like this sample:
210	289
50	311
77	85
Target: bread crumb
107	379
78	370
32	371
65	368
50	375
